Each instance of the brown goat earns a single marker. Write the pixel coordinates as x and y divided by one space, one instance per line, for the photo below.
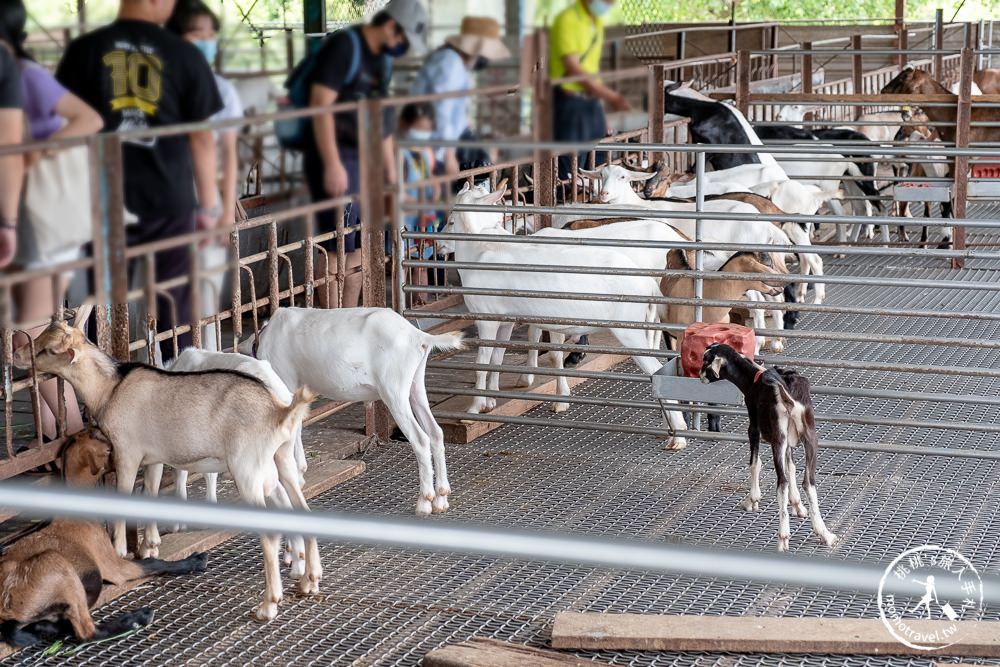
51 579
728 290
988 81
918 82
658 186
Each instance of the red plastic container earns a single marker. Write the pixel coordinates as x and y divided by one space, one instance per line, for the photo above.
985 170
698 336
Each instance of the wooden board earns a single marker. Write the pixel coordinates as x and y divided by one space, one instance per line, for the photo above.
483 652
460 432
840 636
323 474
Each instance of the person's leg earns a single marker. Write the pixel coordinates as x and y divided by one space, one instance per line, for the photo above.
172 263
598 129
569 125
352 240
33 302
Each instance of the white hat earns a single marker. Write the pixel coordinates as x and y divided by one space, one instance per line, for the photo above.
480 36
411 16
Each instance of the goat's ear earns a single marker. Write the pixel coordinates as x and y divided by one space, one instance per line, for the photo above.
494 197
465 188
594 174
634 175
502 185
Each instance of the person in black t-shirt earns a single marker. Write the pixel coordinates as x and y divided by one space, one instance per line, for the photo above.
11 166
352 65
137 76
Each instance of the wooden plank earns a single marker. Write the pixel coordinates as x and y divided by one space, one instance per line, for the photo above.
839 636
461 432
324 473
483 652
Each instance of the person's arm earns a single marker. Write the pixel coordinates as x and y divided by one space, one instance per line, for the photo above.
11 180
334 173
389 159
203 160
81 120
593 86
230 163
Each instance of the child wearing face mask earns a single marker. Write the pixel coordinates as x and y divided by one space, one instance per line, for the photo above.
416 123
196 23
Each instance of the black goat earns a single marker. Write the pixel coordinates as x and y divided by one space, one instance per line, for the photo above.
712 123
779 408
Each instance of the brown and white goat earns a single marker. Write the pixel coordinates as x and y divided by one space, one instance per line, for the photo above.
682 287
207 421
780 411
51 579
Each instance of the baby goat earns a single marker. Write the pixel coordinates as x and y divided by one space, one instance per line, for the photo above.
209 421
779 409
50 579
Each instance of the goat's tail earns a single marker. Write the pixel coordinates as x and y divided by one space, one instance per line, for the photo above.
445 342
291 415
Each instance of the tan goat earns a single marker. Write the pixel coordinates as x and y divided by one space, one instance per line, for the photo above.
716 289
51 579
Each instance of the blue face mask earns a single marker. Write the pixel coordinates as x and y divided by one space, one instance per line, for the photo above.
599 7
397 51
209 48
420 135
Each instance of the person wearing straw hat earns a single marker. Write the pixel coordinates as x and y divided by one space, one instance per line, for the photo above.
449 69
576 40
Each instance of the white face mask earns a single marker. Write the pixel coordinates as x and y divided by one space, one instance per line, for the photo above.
420 135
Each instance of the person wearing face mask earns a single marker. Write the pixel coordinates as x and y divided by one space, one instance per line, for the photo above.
354 64
194 21
576 40
416 123
448 69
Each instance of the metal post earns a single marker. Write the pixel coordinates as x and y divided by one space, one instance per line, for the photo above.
681 46
806 82
314 13
656 101
963 116
900 29
857 71
743 81
117 263
904 44
774 47
373 234
544 194
699 254
938 42
399 273
81 15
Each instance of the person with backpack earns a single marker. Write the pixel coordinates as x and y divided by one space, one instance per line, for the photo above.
449 69
354 64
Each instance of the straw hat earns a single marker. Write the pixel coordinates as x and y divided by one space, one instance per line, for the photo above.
479 36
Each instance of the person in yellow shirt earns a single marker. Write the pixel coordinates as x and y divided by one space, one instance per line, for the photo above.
576 40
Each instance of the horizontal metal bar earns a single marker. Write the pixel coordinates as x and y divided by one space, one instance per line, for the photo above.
466 538
877 447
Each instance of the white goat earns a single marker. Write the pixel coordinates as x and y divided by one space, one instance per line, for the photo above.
491 252
213 421
192 360
365 354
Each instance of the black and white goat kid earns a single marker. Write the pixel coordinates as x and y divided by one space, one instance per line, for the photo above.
780 410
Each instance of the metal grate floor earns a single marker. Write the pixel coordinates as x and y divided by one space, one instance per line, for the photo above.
389 606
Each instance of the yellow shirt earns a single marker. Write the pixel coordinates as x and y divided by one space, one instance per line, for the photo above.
575 31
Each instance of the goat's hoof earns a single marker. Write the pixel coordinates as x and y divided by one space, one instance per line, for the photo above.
526 380
424 507
676 443
750 505
777 346
443 489
440 505
829 539
298 569
149 551
287 558
267 611
308 586
560 407
800 511
783 541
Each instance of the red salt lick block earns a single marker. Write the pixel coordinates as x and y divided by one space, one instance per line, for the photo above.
698 336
